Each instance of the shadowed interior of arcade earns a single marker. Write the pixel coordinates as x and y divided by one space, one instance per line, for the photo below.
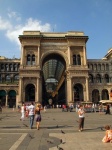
53 80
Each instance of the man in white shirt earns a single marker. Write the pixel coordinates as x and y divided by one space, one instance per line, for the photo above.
31 109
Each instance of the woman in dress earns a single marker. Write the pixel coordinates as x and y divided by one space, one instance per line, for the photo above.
38 115
22 112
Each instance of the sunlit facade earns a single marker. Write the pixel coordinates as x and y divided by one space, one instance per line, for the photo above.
54 68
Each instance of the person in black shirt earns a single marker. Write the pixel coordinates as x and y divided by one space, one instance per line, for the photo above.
108 110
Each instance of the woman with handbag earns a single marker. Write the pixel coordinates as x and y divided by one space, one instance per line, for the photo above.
38 115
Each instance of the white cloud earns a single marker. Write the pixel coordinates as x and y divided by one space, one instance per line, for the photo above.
4 24
13 33
15 15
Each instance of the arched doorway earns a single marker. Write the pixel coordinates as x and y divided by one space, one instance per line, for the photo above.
105 95
30 93
95 96
53 83
12 99
78 92
2 97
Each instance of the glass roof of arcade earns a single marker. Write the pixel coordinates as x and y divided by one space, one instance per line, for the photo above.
52 70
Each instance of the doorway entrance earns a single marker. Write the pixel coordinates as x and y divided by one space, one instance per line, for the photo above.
78 93
53 83
30 93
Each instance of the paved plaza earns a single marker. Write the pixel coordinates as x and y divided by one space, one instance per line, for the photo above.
16 135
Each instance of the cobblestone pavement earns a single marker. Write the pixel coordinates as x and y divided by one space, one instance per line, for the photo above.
16 135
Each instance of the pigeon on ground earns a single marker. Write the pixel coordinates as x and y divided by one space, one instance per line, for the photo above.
50 142
60 148
25 125
62 132
31 136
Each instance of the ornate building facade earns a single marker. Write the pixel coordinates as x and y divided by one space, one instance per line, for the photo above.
54 69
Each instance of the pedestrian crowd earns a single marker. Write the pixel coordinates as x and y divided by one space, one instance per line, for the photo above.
34 113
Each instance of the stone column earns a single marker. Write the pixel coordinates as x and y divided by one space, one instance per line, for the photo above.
87 90
69 58
17 101
22 47
40 90
72 95
6 101
85 57
69 90
37 91
100 95
20 90
38 62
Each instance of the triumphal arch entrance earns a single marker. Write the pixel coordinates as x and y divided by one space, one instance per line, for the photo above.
53 67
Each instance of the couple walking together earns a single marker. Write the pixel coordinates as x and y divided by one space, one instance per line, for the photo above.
34 113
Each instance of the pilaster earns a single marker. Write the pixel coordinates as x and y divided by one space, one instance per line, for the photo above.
6 101
37 91
69 90
38 62
20 89
87 90
69 58
85 58
22 47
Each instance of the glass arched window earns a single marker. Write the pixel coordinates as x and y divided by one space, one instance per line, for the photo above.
78 60
2 67
103 67
74 60
107 67
95 96
8 78
105 95
91 67
95 67
91 78
16 77
6 67
106 78
15 67
33 59
28 60
10 67
18 66
99 67
98 78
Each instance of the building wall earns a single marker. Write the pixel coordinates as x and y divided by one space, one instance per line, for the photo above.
100 77
93 77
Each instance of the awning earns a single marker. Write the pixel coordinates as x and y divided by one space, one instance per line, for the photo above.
105 101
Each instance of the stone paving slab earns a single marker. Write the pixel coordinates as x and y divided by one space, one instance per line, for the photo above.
53 121
81 141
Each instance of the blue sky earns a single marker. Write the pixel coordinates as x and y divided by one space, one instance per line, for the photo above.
93 17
